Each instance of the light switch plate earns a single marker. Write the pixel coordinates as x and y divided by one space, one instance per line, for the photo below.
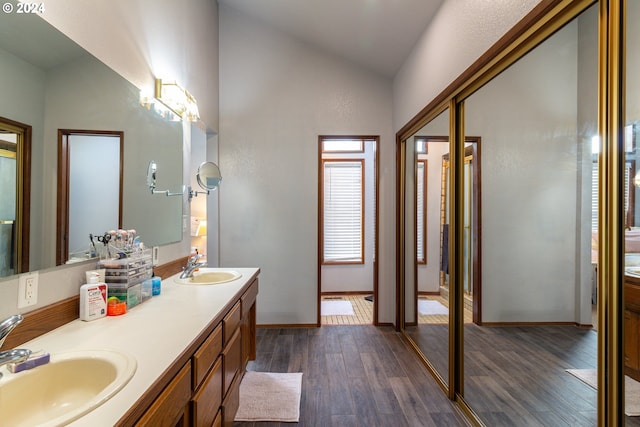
155 254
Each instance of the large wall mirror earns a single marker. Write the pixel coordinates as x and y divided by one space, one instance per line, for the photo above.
49 83
426 299
530 326
537 120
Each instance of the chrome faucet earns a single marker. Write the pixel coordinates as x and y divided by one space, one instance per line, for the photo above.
15 355
193 263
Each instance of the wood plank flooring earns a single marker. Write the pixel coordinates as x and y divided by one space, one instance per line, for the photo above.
515 375
358 375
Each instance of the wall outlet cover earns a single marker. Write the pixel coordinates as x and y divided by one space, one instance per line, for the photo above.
28 290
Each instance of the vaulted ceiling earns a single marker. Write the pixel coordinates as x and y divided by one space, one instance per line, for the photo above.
376 34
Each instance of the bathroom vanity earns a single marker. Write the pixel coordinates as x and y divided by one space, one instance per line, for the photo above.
191 344
632 326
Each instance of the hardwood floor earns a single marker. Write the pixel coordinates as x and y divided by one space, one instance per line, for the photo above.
515 376
354 376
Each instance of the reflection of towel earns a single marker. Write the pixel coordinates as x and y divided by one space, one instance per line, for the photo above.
444 259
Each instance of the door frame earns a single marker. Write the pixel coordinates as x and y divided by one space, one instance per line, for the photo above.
21 232
62 225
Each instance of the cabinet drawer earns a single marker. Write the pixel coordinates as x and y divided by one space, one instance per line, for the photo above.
231 359
249 298
631 297
230 322
169 407
204 357
231 403
207 401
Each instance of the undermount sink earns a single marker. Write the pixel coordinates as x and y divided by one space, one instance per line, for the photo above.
69 386
210 276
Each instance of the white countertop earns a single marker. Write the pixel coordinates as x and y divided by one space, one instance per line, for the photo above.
155 333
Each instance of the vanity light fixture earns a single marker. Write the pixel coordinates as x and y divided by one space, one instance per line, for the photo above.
636 179
177 99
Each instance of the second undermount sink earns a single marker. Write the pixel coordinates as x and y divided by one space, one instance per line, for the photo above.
210 276
69 386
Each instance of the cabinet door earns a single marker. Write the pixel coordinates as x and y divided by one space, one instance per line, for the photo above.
169 408
232 359
231 403
631 340
248 324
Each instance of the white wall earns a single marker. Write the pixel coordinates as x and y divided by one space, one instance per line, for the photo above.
277 95
527 118
461 31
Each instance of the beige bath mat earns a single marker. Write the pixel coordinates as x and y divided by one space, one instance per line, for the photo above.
270 396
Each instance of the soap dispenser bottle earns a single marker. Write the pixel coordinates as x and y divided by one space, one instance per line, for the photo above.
93 299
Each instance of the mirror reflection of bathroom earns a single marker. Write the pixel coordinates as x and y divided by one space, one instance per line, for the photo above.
90 195
12 224
204 178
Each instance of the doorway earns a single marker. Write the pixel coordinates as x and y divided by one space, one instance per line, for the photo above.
15 197
347 230
472 287
90 168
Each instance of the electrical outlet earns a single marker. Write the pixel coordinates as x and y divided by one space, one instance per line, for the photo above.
28 290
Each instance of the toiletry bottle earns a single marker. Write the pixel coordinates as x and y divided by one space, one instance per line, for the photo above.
156 283
93 299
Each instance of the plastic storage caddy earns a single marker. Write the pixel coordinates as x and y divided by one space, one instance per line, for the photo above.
125 276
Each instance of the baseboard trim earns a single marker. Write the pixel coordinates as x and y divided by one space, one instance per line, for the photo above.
311 325
347 293
491 324
286 325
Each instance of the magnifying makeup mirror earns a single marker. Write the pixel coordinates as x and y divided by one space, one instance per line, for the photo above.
208 177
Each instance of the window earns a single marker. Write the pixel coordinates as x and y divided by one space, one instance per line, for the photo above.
343 211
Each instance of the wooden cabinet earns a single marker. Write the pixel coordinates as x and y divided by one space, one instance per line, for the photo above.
169 409
206 390
632 327
248 324
205 406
